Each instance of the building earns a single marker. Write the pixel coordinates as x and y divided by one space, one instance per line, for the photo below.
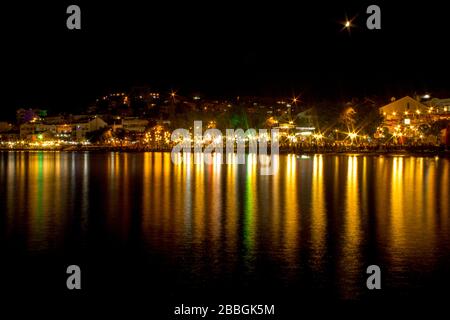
5 126
410 120
404 112
82 127
439 108
27 115
404 106
63 131
134 124
12 135
54 120
71 130
30 129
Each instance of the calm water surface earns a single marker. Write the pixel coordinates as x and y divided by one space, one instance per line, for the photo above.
143 221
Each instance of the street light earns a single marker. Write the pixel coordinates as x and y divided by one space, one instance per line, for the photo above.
347 24
318 136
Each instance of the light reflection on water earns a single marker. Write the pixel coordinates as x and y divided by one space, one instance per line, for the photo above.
319 222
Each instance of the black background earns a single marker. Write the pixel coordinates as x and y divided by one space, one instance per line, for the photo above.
221 49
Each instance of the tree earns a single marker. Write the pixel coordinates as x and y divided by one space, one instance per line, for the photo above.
98 136
347 118
436 128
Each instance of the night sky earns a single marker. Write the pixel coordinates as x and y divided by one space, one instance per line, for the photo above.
220 48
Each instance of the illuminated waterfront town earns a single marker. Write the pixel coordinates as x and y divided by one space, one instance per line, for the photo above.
197 160
143 119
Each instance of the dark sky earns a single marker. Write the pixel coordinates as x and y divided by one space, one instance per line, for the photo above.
220 48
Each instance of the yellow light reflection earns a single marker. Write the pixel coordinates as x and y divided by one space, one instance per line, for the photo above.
318 212
232 209
444 195
250 210
351 248
291 210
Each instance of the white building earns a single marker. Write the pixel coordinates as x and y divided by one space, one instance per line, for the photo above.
134 124
29 129
80 128
405 111
439 106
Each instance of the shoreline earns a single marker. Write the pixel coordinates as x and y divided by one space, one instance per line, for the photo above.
428 152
